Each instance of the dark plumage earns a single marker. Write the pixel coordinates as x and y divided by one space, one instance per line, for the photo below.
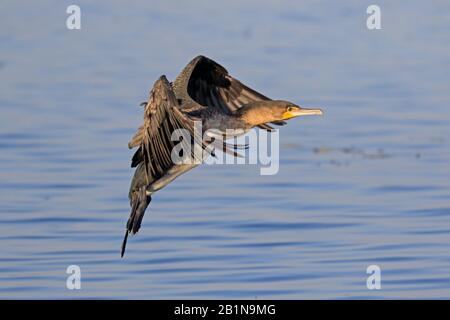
203 91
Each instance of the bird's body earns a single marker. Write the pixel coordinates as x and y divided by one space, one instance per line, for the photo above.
205 93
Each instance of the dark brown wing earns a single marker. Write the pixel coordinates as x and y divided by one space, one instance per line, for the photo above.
211 85
153 158
161 118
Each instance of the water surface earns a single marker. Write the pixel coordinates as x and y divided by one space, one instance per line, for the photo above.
366 184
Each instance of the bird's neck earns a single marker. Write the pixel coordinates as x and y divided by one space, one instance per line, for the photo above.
244 118
252 114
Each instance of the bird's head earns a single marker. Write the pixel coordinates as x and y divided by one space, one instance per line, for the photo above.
285 110
260 112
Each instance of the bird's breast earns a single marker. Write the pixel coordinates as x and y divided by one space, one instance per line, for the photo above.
224 126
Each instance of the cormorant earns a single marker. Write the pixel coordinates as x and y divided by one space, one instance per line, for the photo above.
203 91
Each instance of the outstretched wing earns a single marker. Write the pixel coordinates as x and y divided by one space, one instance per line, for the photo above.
211 85
161 118
153 158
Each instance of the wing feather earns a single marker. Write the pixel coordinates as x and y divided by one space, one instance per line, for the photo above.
161 118
211 85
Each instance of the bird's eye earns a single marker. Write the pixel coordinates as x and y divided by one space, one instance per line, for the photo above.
290 108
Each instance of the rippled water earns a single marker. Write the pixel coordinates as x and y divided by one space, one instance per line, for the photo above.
366 184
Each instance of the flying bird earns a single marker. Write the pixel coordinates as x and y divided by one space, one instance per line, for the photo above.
204 91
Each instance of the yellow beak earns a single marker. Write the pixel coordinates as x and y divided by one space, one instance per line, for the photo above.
301 112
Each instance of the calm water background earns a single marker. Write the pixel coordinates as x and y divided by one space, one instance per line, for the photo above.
369 183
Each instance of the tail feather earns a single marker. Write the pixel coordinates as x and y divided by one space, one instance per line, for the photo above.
124 244
139 202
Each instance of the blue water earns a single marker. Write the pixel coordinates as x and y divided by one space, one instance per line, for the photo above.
368 183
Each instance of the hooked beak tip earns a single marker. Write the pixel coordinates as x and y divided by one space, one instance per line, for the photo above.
319 112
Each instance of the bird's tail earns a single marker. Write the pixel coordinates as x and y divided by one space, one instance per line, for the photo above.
139 202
